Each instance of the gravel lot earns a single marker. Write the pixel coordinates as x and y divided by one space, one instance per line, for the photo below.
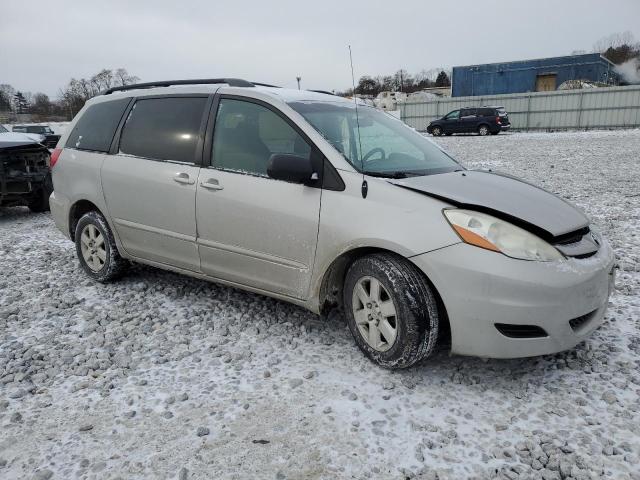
162 376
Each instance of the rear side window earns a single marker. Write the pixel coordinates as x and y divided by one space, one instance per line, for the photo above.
487 112
164 128
468 112
95 129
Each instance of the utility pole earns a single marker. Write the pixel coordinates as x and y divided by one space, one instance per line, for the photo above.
298 79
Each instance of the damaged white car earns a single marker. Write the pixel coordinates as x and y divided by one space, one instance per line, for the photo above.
312 199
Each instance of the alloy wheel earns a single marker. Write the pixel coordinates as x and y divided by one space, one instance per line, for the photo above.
374 313
94 251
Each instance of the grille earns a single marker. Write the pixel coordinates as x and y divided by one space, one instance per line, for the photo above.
572 237
578 244
520 331
578 322
585 255
22 170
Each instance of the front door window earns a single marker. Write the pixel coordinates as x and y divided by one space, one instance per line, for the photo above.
453 115
248 134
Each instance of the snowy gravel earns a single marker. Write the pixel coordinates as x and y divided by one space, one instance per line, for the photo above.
163 376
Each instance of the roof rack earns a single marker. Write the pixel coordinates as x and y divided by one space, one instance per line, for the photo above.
326 92
232 82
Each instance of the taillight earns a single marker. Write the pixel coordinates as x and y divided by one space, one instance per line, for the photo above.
497 119
54 157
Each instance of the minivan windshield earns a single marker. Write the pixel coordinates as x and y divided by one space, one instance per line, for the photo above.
385 147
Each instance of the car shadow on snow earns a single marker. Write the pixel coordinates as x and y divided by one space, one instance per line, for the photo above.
440 365
11 214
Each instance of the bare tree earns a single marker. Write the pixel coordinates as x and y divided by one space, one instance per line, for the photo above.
41 105
9 94
615 40
102 80
78 91
123 78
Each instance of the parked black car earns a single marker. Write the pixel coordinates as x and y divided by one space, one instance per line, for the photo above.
50 139
25 178
480 120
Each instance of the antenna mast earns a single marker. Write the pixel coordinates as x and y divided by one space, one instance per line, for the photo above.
365 185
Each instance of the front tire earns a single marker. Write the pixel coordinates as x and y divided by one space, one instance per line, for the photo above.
391 310
436 131
96 248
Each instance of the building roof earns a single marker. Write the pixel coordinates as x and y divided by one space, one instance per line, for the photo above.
560 58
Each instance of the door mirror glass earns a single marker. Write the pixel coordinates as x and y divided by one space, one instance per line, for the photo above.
290 168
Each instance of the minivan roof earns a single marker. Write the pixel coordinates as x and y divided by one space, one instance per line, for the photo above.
224 85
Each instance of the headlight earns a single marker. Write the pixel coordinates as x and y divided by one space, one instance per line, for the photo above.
489 232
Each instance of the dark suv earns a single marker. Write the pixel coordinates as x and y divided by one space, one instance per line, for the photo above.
481 120
50 138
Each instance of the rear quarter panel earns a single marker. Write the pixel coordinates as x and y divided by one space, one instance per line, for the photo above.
76 176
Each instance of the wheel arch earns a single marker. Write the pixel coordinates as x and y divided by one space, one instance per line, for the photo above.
77 210
332 284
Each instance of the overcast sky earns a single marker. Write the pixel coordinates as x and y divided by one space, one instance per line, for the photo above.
45 43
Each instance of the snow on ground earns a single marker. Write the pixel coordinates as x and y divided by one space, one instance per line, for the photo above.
163 376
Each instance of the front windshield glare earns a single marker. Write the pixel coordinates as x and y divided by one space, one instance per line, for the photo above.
386 146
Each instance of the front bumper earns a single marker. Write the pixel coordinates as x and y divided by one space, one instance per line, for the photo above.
481 288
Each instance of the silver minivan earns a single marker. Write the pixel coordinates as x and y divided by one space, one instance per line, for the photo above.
318 201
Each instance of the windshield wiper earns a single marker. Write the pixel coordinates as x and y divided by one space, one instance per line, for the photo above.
397 174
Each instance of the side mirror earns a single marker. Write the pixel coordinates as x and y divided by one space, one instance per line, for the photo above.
290 168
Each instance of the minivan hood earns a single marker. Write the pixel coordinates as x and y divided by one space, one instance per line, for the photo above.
504 196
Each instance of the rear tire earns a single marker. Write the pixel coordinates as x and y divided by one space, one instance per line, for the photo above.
96 248
436 131
391 310
483 130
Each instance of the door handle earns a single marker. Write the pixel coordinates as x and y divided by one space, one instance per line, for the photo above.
183 178
211 184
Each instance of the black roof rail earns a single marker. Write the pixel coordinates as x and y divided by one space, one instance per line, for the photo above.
324 91
232 82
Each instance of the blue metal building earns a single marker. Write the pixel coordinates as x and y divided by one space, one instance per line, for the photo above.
539 75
